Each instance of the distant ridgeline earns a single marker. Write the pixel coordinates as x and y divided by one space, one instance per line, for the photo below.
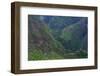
57 37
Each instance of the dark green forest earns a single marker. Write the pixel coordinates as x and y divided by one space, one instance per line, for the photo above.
57 37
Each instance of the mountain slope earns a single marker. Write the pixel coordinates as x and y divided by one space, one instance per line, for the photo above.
40 39
56 37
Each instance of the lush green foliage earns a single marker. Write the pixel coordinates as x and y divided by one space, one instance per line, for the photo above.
56 37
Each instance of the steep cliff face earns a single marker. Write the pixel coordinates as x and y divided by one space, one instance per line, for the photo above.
75 35
40 38
55 37
70 31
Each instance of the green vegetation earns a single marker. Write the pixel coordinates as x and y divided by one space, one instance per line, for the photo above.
39 55
56 38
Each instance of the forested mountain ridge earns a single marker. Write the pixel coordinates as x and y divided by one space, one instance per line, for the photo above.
56 37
